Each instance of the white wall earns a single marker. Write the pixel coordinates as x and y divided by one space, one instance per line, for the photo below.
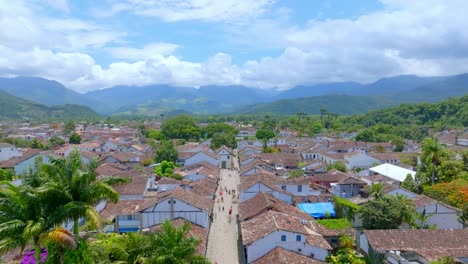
160 212
258 187
292 188
199 157
264 245
25 165
360 161
7 153
444 217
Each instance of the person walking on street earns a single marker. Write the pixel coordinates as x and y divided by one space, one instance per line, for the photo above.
223 208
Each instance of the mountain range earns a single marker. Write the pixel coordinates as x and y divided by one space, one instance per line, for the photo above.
15 108
339 97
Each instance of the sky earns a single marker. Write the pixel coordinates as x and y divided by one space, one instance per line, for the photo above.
89 45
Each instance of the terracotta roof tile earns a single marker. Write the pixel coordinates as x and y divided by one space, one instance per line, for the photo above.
186 196
262 202
282 256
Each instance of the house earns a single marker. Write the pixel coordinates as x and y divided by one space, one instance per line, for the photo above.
331 158
127 158
177 203
281 160
283 256
270 230
441 215
167 184
393 172
20 165
418 245
262 182
8 151
348 187
190 158
225 155
387 157
124 216
358 160
326 179
263 202
204 187
135 189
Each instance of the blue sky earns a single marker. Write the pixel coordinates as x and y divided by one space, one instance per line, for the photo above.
267 44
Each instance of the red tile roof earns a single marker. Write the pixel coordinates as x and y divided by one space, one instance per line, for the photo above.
282 256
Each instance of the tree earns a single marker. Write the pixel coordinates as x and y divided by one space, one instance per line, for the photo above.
410 184
220 139
444 260
387 212
181 127
463 216
339 165
264 136
27 214
345 255
376 190
215 128
166 151
172 245
430 156
420 221
6 175
74 139
84 192
166 169
56 141
68 127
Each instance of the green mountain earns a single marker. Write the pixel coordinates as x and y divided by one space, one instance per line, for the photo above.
339 104
12 107
46 92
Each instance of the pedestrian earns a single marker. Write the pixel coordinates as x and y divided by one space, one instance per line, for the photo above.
230 211
219 208
222 200
223 208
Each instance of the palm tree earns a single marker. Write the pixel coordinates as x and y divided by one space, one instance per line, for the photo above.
376 190
431 152
345 241
83 189
26 214
173 245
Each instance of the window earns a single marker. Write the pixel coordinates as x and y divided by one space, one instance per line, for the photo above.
283 187
299 188
298 238
283 238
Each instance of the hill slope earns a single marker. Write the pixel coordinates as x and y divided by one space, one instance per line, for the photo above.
301 91
12 107
46 92
339 104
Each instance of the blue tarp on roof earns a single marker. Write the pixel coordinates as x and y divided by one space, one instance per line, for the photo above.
318 210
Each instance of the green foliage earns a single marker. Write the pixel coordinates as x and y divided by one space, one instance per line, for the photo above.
387 212
410 184
68 127
339 165
166 151
337 224
166 169
220 139
14 108
155 134
147 161
215 128
345 255
265 135
74 139
463 215
444 260
345 208
168 245
181 127
295 174
56 141
23 143
6 175
59 254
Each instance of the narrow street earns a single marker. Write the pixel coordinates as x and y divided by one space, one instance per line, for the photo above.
222 241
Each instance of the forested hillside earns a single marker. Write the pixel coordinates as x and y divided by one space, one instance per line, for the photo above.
12 107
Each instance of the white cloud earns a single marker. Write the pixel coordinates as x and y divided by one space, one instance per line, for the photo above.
406 37
208 10
150 50
61 5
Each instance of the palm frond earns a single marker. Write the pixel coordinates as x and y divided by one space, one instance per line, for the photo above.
63 237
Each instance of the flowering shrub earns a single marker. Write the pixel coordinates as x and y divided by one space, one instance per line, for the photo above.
29 257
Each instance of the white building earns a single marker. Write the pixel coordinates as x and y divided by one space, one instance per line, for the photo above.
224 157
8 151
392 171
271 229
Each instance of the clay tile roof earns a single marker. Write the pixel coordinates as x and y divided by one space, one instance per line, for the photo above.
186 196
194 231
422 200
204 187
270 221
167 180
136 187
282 256
431 243
352 180
331 176
123 156
122 207
26 155
384 156
267 179
262 202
